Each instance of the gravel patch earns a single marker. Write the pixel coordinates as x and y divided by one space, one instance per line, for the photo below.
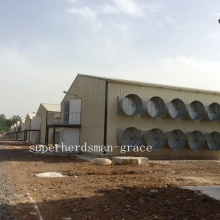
6 195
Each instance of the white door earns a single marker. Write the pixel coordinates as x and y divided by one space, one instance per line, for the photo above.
69 137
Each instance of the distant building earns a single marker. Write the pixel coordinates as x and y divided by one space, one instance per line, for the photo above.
21 130
50 115
2 134
32 128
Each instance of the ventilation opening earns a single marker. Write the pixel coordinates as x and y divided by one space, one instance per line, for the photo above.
196 140
196 110
177 109
130 105
155 138
130 136
213 112
155 107
213 141
176 140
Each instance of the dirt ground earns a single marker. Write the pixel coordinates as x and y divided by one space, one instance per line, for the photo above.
90 191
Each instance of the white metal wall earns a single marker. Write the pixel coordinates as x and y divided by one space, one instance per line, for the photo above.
116 121
69 136
75 111
92 93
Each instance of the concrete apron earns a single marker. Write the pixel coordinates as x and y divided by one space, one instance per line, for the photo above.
211 191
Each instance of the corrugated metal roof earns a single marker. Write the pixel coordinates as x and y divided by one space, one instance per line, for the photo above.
149 84
51 107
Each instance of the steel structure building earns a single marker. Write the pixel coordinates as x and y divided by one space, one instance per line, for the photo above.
176 122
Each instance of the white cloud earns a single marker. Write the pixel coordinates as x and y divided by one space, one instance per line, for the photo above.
71 1
161 25
122 26
154 7
216 14
25 85
169 19
87 13
11 56
130 7
109 9
187 72
214 36
181 71
12 63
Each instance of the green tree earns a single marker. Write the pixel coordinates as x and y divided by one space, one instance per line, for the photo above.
3 125
14 119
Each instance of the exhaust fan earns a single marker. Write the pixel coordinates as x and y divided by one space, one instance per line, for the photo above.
154 107
176 109
213 141
130 136
176 140
130 105
196 140
213 112
155 138
196 110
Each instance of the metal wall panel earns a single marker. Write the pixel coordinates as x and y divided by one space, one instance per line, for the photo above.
42 113
116 121
69 137
92 93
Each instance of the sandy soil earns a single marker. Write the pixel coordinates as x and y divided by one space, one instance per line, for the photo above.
91 191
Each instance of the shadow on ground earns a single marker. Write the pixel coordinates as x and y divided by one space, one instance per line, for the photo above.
130 203
22 154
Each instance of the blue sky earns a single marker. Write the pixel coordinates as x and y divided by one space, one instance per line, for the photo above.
45 43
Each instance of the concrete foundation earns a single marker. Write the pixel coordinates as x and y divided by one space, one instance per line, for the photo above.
130 160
